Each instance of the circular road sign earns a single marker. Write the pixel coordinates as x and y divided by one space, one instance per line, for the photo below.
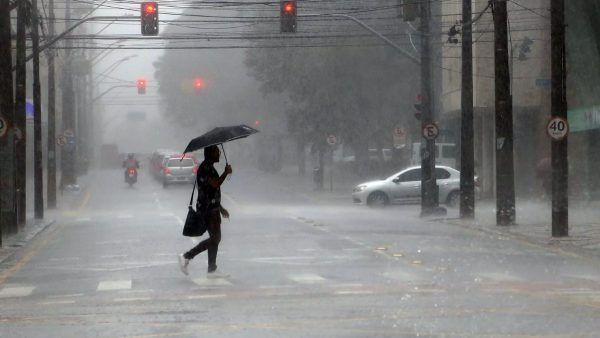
331 140
557 128
3 127
399 131
431 131
61 140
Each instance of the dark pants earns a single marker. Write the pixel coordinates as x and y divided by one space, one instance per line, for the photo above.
211 244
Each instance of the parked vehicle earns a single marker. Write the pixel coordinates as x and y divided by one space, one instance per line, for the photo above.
156 162
405 187
178 170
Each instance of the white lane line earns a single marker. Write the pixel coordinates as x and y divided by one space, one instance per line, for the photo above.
129 292
83 219
66 296
114 285
306 278
114 256
57 302
16 291
211 281
179 220
195 240
166 214
125 216
62 259
132 299
354 292
219 295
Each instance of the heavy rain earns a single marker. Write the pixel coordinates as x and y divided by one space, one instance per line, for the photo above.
299 168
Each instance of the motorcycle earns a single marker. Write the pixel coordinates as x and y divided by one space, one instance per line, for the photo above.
131 176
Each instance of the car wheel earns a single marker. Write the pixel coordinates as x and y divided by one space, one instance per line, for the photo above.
378 199
453 199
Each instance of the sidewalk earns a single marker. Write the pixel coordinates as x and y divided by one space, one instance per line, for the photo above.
67 200
534 217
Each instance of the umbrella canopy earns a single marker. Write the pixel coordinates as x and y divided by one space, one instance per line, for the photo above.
219 135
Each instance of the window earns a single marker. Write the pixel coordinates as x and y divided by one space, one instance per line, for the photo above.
441 174
175 162
410 176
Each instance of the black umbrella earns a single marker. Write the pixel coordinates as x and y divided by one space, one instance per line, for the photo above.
219 135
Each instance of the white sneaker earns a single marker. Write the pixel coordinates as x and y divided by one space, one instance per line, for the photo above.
183 264
217 274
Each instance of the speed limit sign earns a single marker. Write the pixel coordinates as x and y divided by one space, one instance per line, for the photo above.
3 127
431 131
557 128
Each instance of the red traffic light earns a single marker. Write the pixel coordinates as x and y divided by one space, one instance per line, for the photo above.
150 8
198 84
289 7
141 86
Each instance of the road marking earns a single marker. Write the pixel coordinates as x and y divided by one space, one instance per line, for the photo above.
57 302
16 291
83 219
114 285
354 292
65 296
125 216
166 214
114 256
119 241
23 261
218 295
306 278
85 201
211 281
132 299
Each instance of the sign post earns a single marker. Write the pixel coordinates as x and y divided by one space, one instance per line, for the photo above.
332 141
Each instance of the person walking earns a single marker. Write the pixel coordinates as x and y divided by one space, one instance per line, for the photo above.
209 199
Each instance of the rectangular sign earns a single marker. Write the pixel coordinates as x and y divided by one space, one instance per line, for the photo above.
584 118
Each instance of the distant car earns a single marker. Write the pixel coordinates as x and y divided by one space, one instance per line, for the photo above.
405 187
178 170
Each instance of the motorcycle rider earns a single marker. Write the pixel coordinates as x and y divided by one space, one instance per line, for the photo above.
129 163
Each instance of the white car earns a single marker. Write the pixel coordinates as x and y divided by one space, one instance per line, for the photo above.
405 187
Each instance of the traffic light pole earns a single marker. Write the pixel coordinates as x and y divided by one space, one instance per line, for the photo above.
429 188
51 166
20 112
505 182
560 160
467 172
37 117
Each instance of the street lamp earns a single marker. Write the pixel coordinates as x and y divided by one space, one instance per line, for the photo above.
114 66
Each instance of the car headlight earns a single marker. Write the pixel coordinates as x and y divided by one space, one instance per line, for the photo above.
360 188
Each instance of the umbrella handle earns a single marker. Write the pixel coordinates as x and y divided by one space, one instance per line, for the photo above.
226 161
225 155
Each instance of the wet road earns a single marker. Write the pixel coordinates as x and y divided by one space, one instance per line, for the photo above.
299 268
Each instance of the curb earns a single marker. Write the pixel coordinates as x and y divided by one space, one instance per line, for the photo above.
13 243
556 245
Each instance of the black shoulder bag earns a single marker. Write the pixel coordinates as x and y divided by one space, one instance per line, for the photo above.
195 222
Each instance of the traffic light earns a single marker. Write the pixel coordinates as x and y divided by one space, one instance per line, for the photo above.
149 15
141 86
288 16
410 9
419 107
198 84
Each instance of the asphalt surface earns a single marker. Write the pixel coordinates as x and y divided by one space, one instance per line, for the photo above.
299 267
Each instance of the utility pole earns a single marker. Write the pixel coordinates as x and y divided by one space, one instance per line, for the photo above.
37 117
505 176
68 175
560 160
467 171
51 142
8 220
20 112
429 188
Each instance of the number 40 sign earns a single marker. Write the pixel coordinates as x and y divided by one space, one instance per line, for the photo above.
557 128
